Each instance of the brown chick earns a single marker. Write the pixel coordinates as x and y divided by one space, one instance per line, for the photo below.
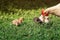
17 21
20 20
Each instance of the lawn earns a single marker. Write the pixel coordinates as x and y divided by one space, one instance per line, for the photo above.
28 30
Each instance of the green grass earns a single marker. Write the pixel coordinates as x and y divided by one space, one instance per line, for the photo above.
28 30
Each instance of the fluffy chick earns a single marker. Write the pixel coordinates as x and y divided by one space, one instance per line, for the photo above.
17 21
20 20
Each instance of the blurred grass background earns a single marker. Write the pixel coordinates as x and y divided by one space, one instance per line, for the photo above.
28 30
11 5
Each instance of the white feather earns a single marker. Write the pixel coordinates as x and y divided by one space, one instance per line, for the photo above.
54 10
45 20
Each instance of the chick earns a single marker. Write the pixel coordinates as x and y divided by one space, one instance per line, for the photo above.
20 20
17 21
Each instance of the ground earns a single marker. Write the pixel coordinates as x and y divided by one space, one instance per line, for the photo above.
28 30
